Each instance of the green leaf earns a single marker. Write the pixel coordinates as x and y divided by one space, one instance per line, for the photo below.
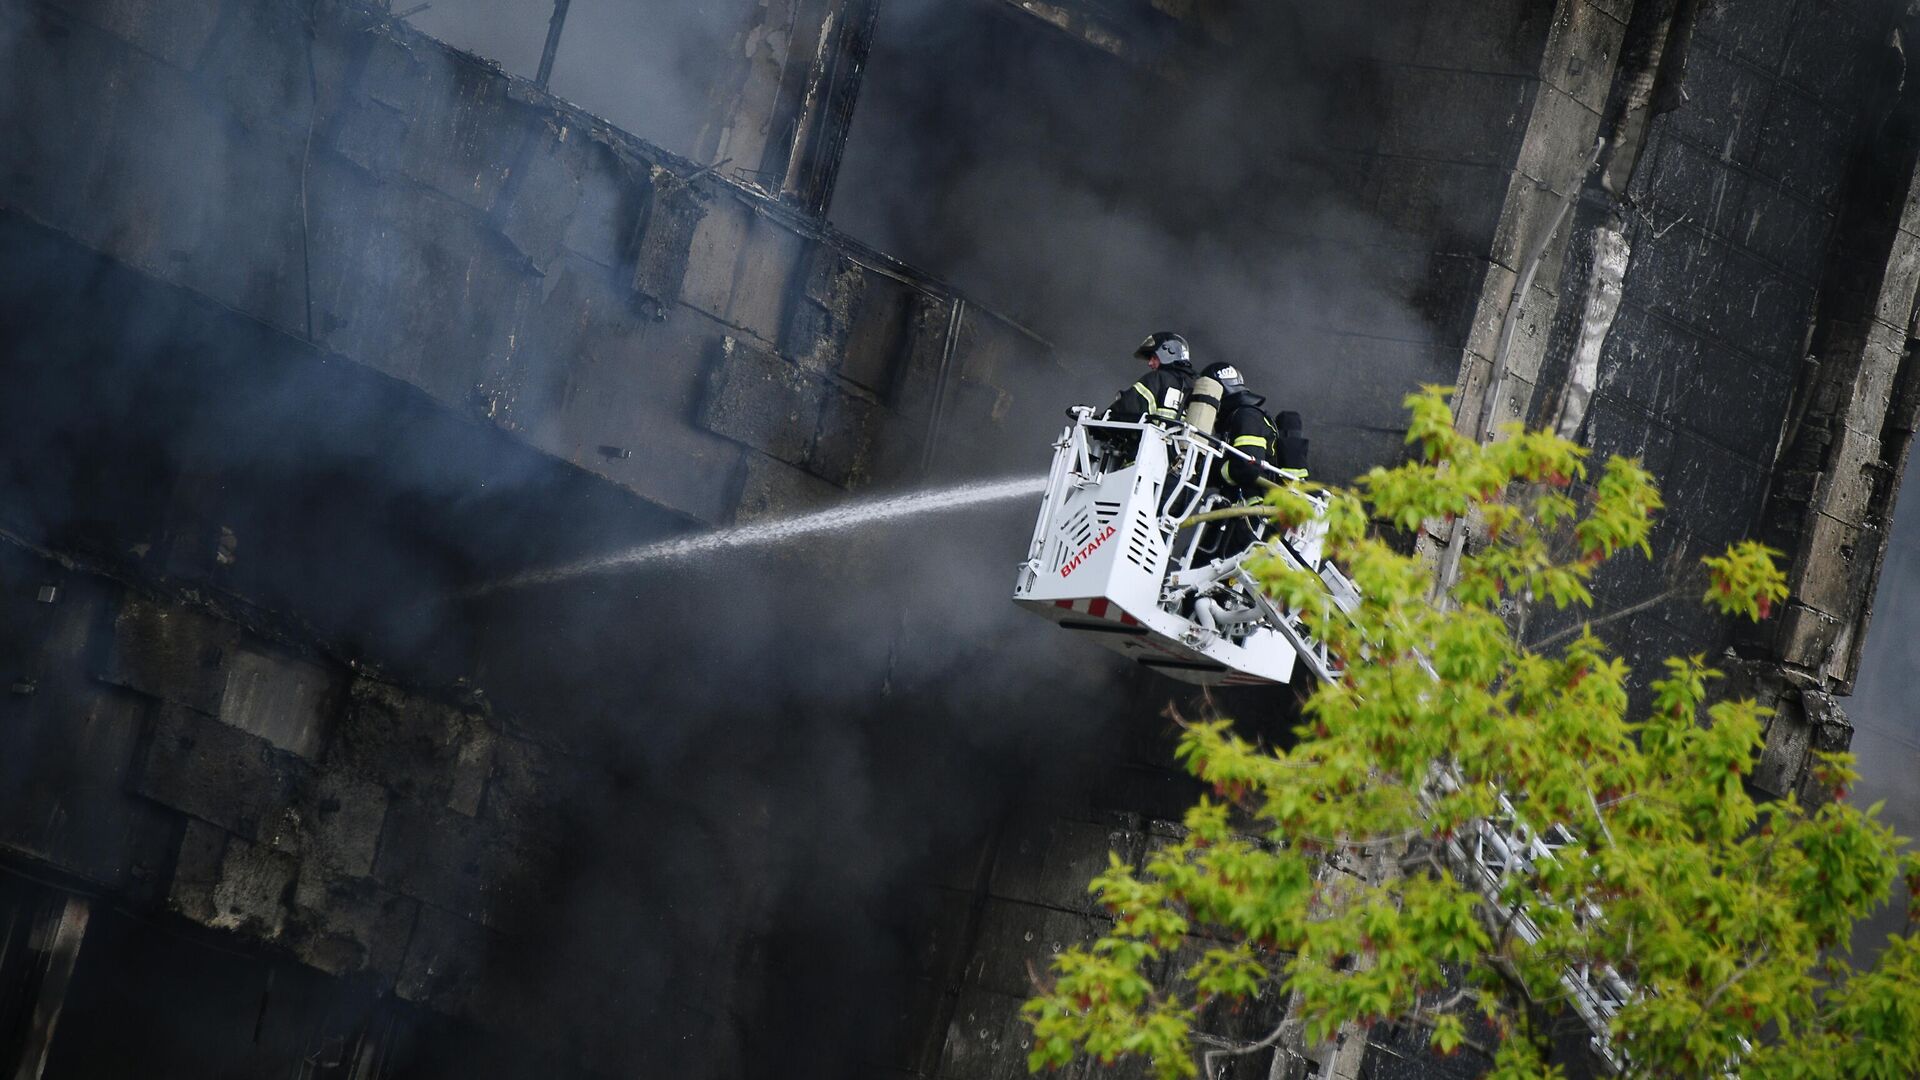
1726 914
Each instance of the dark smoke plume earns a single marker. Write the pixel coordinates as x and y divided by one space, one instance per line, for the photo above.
1099 199
774 758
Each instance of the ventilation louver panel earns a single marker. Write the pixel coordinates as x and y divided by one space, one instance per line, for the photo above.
1076 534
1143 546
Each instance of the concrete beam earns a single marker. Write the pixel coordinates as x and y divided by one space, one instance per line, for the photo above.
783 126
57 935
1842 457
1074 20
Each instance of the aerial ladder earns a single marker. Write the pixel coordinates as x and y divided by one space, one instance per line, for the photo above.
1116 558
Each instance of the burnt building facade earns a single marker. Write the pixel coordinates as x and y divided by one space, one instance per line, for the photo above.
316 324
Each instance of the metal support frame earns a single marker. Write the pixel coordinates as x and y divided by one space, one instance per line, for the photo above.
552 48
937 413
1503 848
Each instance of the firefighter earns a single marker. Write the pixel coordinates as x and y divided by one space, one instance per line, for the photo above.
1243 425
1162 392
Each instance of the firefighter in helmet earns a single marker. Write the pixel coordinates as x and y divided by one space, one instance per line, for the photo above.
1162 392
1244 426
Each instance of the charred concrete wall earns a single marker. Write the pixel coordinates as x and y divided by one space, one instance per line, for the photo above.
231 228
409 208
490 331
176 760
1756 367
1756 363
1465 124
1349 234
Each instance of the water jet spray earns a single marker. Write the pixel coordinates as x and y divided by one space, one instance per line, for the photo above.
840 518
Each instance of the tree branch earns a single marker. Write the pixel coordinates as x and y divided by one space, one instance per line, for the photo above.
1611 616
1727 984
1419 1015
1272 1038
1597 816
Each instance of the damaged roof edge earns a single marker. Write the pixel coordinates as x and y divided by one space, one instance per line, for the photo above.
707 180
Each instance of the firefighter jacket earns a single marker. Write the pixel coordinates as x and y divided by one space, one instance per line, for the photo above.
1243 425
1161 393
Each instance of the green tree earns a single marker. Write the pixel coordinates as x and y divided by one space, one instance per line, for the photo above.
1727 916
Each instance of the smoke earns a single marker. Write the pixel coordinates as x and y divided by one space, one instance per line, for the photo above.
647 66
820 731
773 753
1886 736
776 753
509 32
882 705
1098 199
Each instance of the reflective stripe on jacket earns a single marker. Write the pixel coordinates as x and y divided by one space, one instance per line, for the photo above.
1160 393
1244 425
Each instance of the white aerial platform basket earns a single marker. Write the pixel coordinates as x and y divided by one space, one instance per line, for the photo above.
1109 559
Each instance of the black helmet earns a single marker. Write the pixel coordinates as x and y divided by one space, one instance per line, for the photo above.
1170 347
1227 376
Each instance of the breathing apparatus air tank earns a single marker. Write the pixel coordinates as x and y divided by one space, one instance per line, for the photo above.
1203 404
1290 443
